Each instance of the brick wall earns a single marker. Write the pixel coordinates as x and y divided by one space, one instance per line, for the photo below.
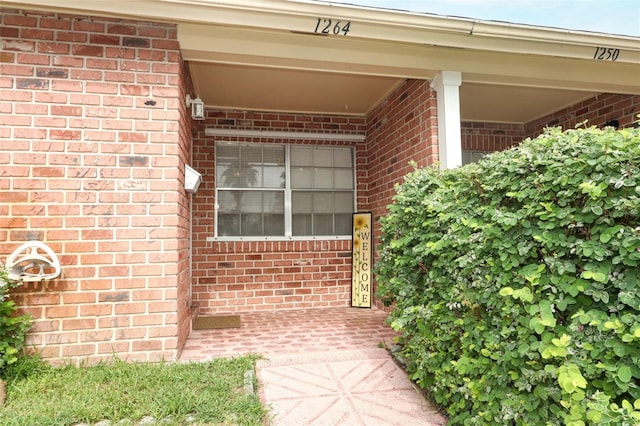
490 136
401 129
246 276
93 138
267 275
183 213
597 111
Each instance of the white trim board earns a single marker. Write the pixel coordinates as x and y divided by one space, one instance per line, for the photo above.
285 135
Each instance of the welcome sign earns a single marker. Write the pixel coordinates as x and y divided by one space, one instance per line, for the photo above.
361 258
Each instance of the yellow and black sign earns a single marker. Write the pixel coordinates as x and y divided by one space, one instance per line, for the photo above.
361 258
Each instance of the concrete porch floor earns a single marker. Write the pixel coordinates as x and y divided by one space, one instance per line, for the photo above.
322 367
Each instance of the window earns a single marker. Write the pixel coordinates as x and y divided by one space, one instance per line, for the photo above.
472 156
268 190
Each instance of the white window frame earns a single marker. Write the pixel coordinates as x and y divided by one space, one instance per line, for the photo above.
288 214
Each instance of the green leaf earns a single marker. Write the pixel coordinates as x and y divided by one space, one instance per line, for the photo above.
624 373
536 325
563 341
614 324
523 294
554 352
570 378
546 314
594 275
505 291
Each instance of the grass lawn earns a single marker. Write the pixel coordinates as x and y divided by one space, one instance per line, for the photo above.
206 393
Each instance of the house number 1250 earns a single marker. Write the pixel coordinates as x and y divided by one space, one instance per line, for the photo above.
327 26
606 54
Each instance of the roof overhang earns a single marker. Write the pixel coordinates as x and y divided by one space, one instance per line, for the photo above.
269 54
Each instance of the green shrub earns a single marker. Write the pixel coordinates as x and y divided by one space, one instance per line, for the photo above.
515 281
13 328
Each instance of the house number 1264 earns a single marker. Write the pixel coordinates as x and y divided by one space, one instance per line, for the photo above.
328 26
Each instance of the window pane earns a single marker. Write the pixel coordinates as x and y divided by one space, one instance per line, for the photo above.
301 177
274 224
250 213
301 202
250 201
301 156
273 177
343 224
227 157
342 157
251 225
273 154
323 202
247 172
343 202
237 175
323 157
229 201
343 179
227 152
251 154
323 224
301 224
273 202
228 225
323 178
273 169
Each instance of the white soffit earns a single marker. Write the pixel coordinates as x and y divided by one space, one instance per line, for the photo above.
513 104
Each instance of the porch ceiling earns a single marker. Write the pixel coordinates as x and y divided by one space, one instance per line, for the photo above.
273 89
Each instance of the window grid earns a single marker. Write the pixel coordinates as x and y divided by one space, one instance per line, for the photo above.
312 223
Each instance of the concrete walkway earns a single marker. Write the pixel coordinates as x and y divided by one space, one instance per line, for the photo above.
322 367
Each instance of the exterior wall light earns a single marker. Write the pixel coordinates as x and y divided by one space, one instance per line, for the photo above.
197 107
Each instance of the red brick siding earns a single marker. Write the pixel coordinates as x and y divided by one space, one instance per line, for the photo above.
597 111
490 136
401 129
183 290
282 122
251 276
92 143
